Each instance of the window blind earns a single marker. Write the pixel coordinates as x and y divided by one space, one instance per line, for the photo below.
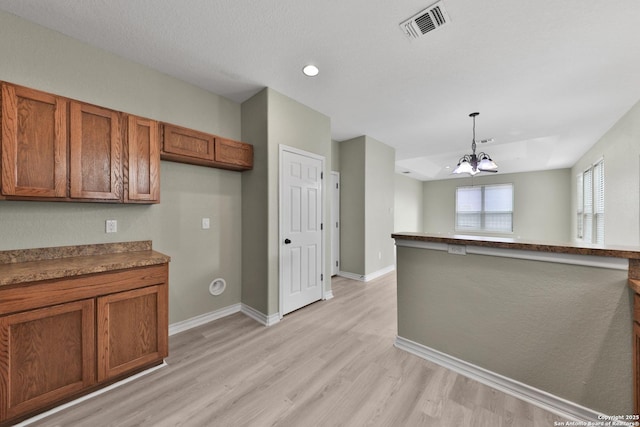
598 201
485 208
590 204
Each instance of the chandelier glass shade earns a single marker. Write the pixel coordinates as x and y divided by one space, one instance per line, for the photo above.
475 163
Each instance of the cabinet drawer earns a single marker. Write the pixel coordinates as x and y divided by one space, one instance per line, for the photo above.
187 142
56 291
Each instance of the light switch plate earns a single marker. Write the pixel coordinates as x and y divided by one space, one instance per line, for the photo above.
205 223
111 226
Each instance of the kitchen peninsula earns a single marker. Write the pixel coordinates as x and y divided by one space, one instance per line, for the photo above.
552 323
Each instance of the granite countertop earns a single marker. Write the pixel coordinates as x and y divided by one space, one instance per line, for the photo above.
29 265
512 243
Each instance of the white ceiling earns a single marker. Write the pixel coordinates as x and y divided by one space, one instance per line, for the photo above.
548 77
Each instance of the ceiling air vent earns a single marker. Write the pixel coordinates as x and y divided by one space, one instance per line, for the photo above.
433 17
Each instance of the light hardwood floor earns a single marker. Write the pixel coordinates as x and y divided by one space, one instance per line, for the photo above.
332 363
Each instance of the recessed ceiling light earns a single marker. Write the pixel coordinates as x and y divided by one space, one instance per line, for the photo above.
310 70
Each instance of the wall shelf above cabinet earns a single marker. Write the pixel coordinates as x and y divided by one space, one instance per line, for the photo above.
184 145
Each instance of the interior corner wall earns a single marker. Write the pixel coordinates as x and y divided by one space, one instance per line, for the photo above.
271 119
408 205
255 204
541 205
620 149
335 156
379 200
46 60
366 206
352 205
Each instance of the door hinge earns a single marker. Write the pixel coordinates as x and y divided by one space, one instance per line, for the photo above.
321 277
321 226
337 226
337 185
336 263
321 175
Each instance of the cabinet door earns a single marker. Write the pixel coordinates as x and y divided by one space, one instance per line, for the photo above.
96 150
234 153
144 160
132 330
187 142
45 355
34 143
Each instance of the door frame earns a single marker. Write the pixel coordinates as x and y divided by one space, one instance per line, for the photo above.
281 150
335 234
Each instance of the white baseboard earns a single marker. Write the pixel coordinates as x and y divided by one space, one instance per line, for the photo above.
202 319
88 396
328 294
379 273
367 277
537 397
352 276
193 322
259 316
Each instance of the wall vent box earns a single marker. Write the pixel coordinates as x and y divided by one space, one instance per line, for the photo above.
457 249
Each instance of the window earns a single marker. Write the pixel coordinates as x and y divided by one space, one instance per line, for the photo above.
590 204
486 208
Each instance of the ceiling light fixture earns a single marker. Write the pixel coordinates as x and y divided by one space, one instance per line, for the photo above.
310 70
472 163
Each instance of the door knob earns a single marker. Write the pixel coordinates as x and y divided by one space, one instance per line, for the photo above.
287 241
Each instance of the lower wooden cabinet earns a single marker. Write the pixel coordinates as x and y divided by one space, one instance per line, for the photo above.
99 328
45 355
636 367
132 330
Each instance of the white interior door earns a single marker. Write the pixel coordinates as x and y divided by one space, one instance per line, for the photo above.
335 223
300 229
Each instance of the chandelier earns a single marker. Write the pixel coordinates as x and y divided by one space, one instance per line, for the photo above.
472 163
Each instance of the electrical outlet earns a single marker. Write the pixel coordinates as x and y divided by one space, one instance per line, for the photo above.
111 226
457 249
206 223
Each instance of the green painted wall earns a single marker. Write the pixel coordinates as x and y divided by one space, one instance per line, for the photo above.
46 60
564 329
408 204
352 205
541 211
620 149
270 119
367 181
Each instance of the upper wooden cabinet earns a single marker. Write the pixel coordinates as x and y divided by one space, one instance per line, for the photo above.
234 153
34 143
96 153
142 174
187 142
53 148
189 146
